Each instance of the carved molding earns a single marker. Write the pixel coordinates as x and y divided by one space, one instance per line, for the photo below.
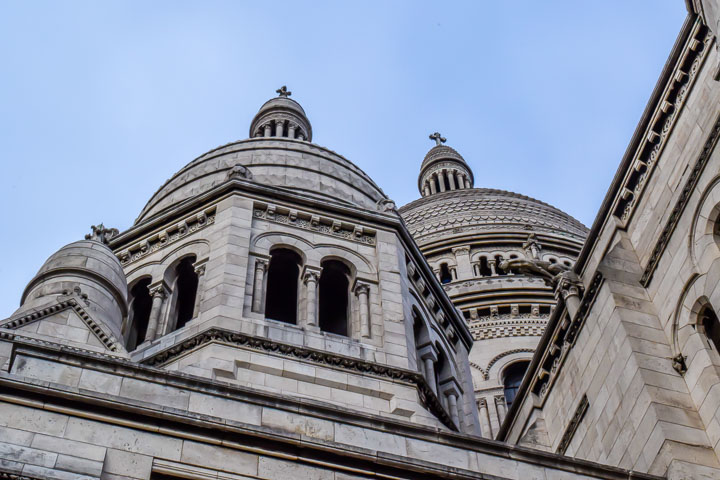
427 397
573 425
681 203
511 328
315 223
665 117
486 371
566 332
159 240
108 341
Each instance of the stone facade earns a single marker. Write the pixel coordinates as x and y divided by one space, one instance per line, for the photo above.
626 374
271 313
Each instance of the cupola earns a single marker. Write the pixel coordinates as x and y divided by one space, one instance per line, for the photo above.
443 169
281 117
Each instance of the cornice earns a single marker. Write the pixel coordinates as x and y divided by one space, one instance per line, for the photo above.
353 365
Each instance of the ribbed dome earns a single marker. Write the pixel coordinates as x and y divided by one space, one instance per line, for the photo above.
481 209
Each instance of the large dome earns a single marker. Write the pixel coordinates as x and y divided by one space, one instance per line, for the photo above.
478 210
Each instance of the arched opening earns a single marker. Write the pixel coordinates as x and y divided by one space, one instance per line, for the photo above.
140 305
185 291
484 267
440 369
282 286
334 297
710 327
512 378
446 181
418 334
445 275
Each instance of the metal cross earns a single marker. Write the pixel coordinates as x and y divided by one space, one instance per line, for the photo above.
283 91
439 139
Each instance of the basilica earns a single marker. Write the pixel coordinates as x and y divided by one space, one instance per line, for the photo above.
272 314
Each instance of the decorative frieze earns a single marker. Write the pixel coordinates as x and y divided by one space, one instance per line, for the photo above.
681 203
315 223
159 240
508 326
664 119
573 425
427 396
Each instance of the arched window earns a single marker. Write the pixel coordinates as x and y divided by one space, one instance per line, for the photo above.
282 286
140 304
445 275
710 326
512 378
334 297
185 291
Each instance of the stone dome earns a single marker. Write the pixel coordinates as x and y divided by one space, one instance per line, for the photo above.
89 265
478 210
280 157
441 152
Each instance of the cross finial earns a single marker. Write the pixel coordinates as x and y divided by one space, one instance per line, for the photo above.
283 92
439 139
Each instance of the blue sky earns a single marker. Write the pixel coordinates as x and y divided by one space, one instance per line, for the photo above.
102 101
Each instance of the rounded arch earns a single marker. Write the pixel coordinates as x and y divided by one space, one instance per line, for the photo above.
359 265
501 361
703 239
264 242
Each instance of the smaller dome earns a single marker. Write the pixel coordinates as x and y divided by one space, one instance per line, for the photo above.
91 266
442 169
281 117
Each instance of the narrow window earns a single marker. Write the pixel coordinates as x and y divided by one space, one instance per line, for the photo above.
282 286
334 292
498 261
186 291
140 304
512 379
484 267
710 327
445 275
440 370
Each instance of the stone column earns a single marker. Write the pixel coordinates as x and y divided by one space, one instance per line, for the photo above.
459 180
501 408
451 179
467 181
485 427
291 130
433 187
451 390
158 294
428 355
310 279
362 290
200 272
426 189
493 271
279 127
568 287
268 129
452 406
441 179
261 266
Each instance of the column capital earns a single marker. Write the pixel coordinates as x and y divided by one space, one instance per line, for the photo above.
159 289
450 386
360 287
463 250
311 274
199 267
262 263
568 285
428 351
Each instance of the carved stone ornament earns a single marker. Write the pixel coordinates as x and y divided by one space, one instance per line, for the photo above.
549 272
239 171
678 363
386 205
532 247
102 234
